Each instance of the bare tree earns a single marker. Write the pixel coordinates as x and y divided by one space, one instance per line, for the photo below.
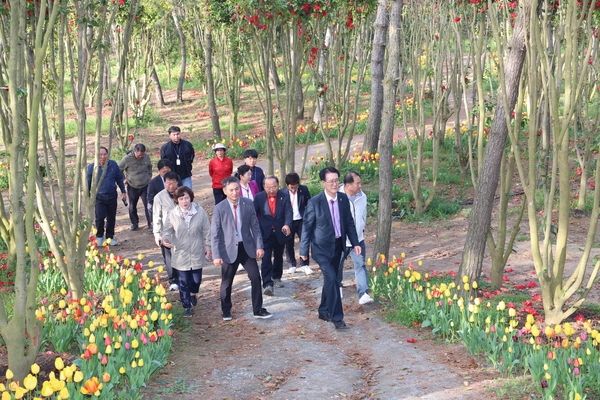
183 50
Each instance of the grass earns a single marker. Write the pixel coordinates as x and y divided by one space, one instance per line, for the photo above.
517 388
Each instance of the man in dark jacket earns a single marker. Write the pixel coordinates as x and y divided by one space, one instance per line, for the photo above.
181 154
106 197
299 196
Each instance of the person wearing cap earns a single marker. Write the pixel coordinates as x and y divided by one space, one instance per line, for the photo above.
219 168
181 154
258 175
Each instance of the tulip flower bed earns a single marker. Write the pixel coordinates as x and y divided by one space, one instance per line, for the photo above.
120 334
563 359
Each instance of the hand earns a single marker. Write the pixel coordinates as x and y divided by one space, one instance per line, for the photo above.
218 262
158 241
167 244
125 182
208 254
286 230
357 250
124 196
304 257
259 253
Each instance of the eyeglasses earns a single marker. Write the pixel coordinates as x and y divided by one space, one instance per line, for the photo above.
333 181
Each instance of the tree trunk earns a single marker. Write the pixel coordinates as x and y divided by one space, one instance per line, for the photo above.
480 218
210 86
377 56
299 101
160 100
183 47
390 84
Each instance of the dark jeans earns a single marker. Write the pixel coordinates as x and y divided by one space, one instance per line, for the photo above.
189 282
228 273
331 301
106 208
218 195
134 195
272 263
172 273
290 253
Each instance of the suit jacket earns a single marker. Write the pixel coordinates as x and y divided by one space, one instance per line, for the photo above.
283 215
303 197
317 227
224 236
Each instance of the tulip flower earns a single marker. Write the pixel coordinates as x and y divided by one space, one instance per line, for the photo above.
91 386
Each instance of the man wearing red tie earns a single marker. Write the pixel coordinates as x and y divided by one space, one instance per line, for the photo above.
327 223
236 239
274 212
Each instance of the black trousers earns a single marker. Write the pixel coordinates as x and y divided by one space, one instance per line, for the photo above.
218 195
290 252
106 208
272 263
171 272
134 195
228 273
331 301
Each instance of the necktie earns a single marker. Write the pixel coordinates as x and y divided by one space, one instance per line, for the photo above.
235 216
335 220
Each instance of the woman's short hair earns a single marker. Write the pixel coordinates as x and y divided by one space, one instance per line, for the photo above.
181 190
242 170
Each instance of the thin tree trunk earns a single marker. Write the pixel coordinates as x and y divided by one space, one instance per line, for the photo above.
480 219
377 57
390 84
210 86
183 46
160 100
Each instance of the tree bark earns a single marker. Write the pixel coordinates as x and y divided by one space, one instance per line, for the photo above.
390 84
160 100
377 56
480 218
210 86
183 47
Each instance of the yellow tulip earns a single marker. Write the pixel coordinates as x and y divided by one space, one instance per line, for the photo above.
64 393
46 390
465 279
140 256
9 374
501 306
535 331
35 369
30 382
78 376
122 370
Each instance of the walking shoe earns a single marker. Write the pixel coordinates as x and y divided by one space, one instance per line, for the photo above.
263 313
134 227
194 300
149 228
188 313
278 283
227 316
174 287
306 269
268 291
292 270
365 298
325 317
100 240
340 325
112 242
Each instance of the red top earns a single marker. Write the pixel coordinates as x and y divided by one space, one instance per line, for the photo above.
219 170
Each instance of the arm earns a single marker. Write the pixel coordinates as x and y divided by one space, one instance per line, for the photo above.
257 235
168 233
149 166
119 180
157 222
216 233
308 223
207 236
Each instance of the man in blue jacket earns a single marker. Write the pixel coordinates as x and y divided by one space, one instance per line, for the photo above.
109 177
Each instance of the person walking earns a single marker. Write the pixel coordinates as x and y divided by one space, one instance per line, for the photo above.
358 206
187 234
248 187
109 177
236 239
137 170
163 203
157 184
299 196
326 226
274 212
219 168
181 154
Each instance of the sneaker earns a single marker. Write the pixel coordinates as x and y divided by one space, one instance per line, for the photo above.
134 227
100 240
292 270
365 298
268 291
306 269
188 313
194 300
149 228
263 313
278 283
174 287
341 293
227 316
112 242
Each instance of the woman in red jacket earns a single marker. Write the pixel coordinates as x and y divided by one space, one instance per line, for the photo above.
219 168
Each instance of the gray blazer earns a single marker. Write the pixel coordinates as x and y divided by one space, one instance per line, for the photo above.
224 238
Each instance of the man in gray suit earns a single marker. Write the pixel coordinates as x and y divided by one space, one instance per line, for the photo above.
236 239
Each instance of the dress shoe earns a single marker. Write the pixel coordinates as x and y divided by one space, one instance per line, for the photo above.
340 325
263 313
278 283
268 291
134 227
365 298
325 317
194 300
187 313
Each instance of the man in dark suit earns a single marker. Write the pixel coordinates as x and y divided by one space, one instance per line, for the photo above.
236 239
327 223
299 196
274 212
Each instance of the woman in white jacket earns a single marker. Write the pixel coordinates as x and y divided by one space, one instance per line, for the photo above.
187 233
